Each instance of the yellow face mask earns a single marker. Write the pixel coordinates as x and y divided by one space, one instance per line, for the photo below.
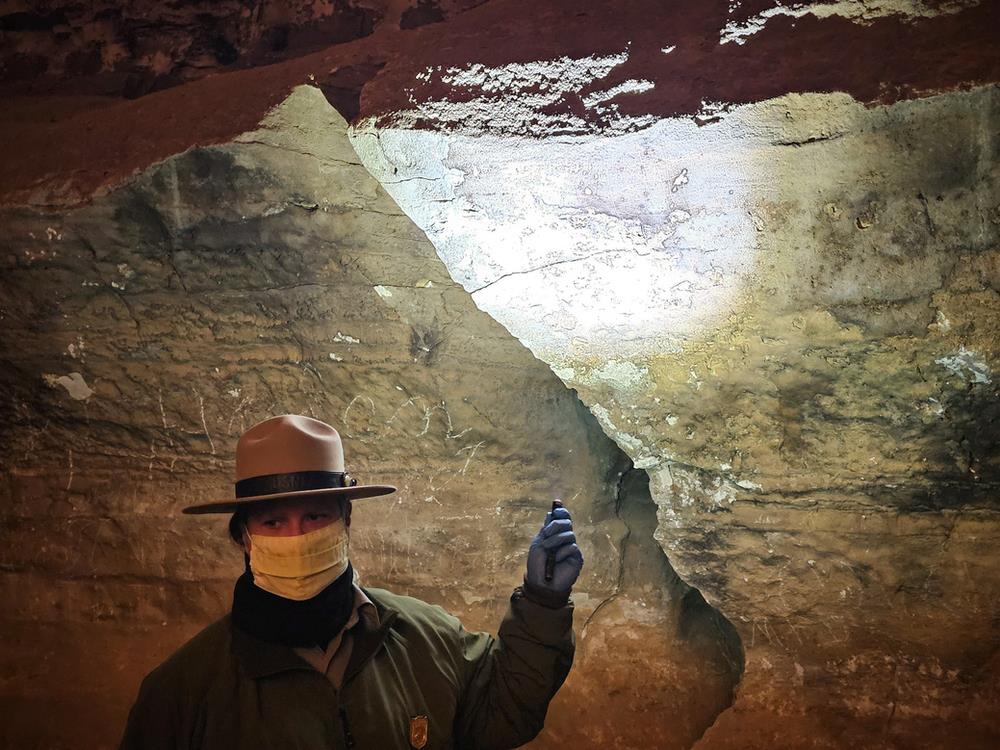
299 567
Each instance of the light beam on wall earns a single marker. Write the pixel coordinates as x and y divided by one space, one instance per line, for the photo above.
585 246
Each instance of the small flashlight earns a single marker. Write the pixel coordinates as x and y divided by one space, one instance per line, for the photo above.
550 557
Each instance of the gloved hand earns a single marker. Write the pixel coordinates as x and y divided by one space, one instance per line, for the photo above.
556 536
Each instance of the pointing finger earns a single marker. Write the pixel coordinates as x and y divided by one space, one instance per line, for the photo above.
558 540
556 527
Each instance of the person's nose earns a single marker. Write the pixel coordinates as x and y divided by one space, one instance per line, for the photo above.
300 527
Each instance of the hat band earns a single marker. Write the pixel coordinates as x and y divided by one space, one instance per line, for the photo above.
298 481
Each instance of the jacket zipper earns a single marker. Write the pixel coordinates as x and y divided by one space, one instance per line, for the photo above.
348 737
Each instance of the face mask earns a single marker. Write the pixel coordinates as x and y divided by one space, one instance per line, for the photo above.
299 567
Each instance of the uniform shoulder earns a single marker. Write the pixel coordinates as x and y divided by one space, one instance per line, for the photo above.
413 609
196 660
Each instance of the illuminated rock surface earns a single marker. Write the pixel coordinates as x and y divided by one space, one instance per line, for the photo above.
779 303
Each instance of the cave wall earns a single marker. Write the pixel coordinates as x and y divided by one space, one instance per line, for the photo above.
146 330
723 275
797 341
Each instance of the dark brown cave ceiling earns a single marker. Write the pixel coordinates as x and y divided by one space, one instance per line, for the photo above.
885 60
879 59
131 49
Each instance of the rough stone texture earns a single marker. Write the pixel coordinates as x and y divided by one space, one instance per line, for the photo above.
877 52
134 48
760 241
144 332
790 318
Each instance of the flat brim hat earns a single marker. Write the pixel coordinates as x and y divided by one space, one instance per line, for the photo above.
290 456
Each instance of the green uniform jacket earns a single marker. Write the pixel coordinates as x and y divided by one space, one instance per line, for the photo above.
227 690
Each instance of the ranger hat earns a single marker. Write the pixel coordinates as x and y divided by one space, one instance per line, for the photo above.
290 456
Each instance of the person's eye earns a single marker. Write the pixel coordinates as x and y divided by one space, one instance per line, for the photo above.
271 523
317 516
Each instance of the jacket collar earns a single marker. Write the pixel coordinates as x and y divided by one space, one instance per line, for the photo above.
261 658
370 640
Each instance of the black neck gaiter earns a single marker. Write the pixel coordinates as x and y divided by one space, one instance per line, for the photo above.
312 622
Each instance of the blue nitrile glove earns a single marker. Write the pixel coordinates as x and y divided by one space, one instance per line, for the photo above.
556 535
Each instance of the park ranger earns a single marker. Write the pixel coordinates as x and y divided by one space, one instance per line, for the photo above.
307 658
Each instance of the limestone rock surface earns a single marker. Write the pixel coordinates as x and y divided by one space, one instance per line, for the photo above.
790 319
